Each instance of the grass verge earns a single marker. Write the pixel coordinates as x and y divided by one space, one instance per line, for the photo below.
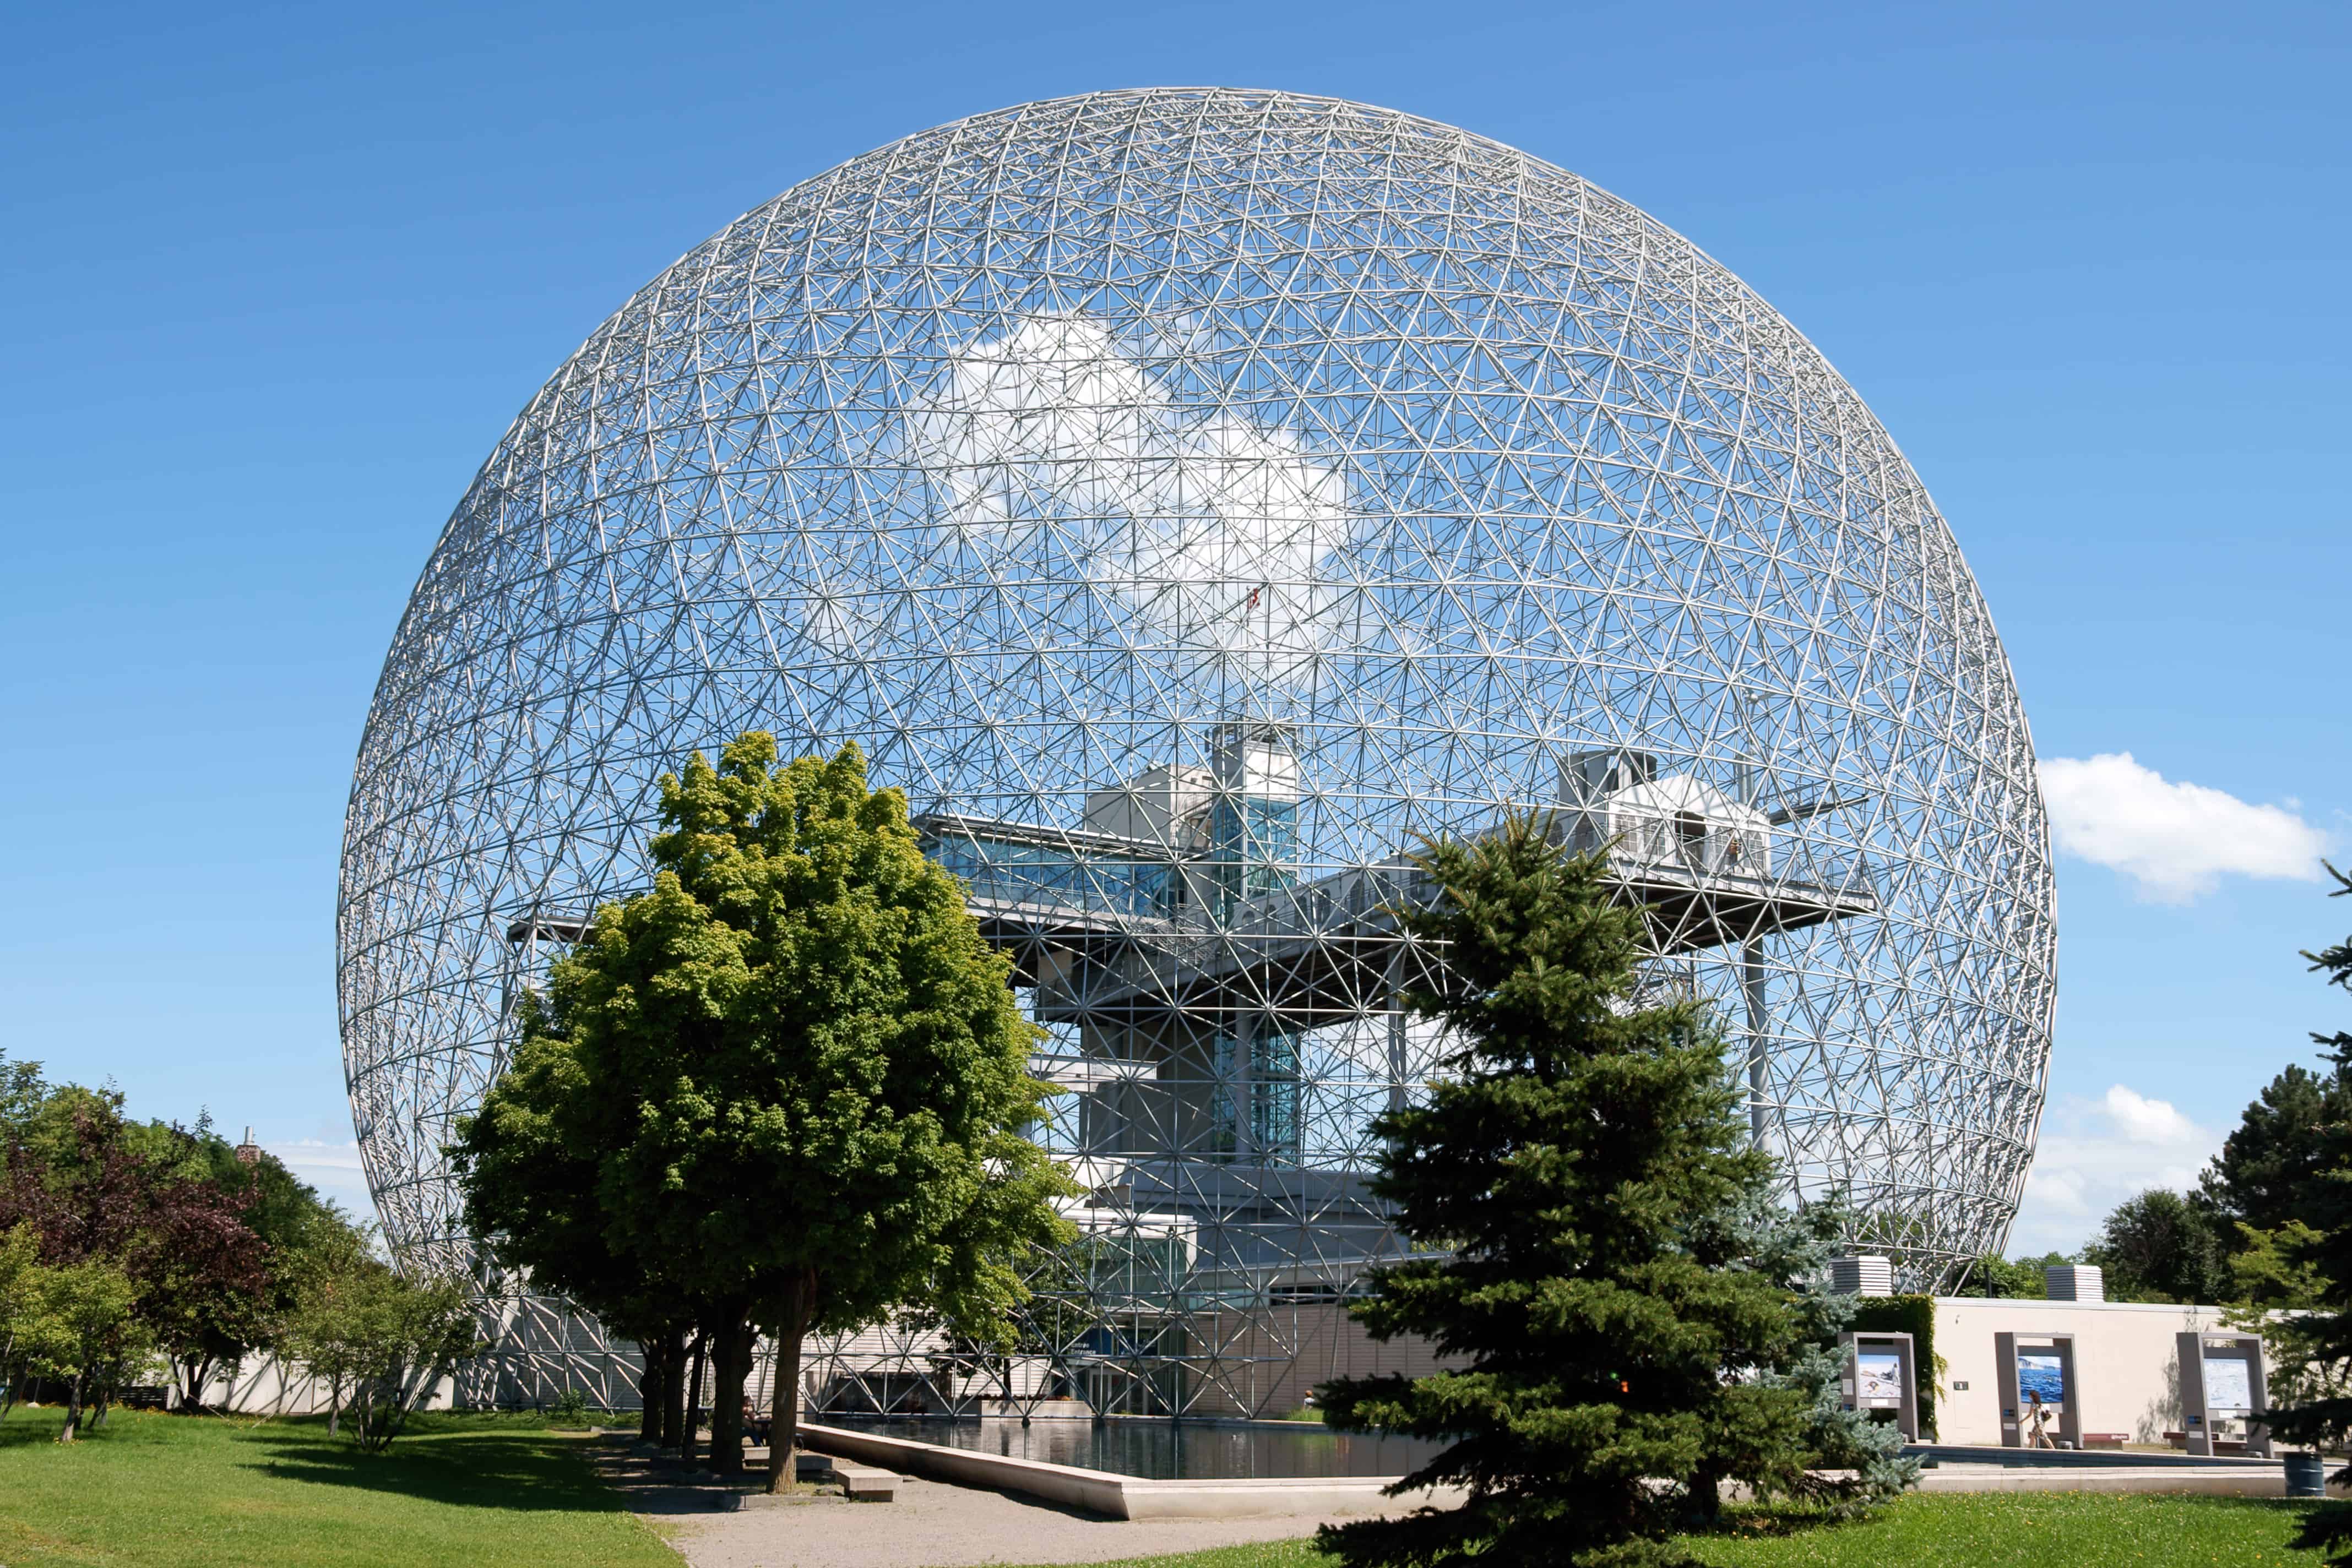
2028 1530
2014 1530
171 1491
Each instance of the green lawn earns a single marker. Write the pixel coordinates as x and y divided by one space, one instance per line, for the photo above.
170 1490
2028 1530
2044 1530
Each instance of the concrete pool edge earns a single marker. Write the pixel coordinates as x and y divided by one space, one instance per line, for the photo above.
1143 1498
1119 1496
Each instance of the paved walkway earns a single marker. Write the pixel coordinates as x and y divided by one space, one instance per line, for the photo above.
931 1525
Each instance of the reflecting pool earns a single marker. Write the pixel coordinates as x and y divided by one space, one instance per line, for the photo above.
1165 1450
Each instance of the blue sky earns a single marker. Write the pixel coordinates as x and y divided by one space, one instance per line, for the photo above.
277 280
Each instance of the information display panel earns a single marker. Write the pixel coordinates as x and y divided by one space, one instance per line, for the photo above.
2040 1403
1882 1374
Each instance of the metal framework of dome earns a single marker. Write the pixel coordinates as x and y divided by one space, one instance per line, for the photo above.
1190 498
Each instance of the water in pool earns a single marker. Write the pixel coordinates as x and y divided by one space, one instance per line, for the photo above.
1166 1451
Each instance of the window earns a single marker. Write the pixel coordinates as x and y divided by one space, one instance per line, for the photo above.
1690 832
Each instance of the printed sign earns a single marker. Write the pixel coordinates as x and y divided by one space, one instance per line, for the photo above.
2228 1389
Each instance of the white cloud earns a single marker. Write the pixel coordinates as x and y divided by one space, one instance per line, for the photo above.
2175 840
2094 1154
1053 443
2146 1121
332 1168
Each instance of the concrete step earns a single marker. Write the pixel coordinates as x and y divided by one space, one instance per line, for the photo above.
860 1483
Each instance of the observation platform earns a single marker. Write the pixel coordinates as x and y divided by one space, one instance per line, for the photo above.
1319 953
1111 930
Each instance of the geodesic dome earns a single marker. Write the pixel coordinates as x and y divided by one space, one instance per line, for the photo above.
1190 498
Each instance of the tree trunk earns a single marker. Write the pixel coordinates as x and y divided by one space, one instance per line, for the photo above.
194 1370
730 1364
334 1405
73 1408
650 1391
674 1389
693 1430
795 1309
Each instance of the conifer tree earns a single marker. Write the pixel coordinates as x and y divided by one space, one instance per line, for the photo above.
1607 1276
2265 1175
2325 1257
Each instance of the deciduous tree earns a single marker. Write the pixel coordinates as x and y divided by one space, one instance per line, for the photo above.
383 1342
20 1309
203 1280
216 1247
2161 1247
797 1072
2019 1278
84 1330
530 1180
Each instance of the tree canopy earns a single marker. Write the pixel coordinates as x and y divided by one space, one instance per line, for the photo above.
2161 1247
1997 1277
2266 1171
212 1249
787 1084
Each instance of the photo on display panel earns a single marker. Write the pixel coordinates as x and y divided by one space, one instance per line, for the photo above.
1878 1380
2040 1373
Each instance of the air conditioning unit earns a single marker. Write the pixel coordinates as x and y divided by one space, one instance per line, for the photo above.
2074 1283
1867 1275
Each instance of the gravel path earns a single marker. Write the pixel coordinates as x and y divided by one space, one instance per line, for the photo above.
929 1525
934 1525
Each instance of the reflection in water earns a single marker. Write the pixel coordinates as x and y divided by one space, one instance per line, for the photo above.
1165 1450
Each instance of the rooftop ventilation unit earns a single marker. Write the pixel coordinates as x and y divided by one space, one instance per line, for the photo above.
2074 1283
1868 1275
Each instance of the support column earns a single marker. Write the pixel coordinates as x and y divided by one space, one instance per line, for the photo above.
1751 981
1396 1053
1241 1086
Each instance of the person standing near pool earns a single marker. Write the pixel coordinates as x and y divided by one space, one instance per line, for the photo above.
2037 1421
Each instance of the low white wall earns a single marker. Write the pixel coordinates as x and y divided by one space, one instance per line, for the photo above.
2125 1360
267 1385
